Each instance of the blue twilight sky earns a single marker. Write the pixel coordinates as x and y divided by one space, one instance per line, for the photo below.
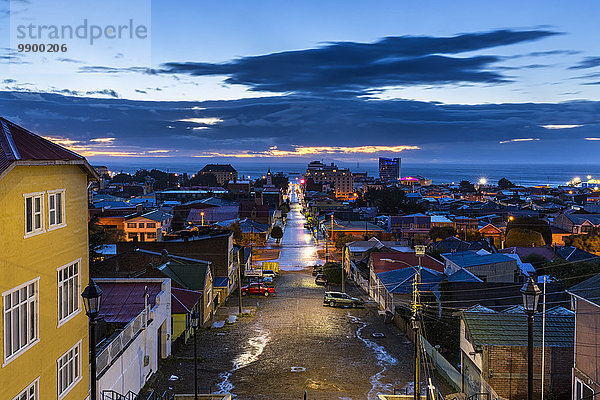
461 81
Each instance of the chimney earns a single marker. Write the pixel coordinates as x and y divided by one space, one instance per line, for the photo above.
164 256
139 207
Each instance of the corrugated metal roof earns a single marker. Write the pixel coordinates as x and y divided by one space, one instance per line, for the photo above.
188 276
19 144
470 259
401 280
183 300
589 290
396 260
123 301
510 329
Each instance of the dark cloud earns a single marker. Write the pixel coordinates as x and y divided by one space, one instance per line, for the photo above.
588 62
441 131
140 91
106 92
70 60
358 68
352 69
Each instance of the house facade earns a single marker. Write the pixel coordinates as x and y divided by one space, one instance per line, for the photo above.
43 268
146 227
586 368
137 332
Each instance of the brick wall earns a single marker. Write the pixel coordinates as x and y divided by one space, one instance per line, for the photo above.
505 368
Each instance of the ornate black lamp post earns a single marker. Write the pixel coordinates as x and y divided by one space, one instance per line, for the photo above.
92 299
531 295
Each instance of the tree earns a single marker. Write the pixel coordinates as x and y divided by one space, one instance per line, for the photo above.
99 236
466 187
122 177
441 232
277 233
238 237
390 200
203 180
589 242
341 240
531 223
333 272
520 237
505 184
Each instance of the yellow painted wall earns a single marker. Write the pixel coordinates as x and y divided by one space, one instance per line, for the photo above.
178 325
23 259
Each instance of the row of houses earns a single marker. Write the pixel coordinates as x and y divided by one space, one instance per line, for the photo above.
479 290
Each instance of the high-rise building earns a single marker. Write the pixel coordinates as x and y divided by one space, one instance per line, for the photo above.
43 268
340 179
389 169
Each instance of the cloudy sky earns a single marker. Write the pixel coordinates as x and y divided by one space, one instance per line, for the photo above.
429 81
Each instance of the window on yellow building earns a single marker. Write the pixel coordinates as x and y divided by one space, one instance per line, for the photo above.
151 235
20 307
56 210
29 393
34 216
131 225
141 225
151 225
68 291
69 370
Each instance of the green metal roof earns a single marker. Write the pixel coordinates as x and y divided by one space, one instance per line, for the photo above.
510 329
188 276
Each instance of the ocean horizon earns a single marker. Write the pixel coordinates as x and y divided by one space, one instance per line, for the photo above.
440 173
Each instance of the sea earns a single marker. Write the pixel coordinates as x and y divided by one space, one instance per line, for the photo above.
440 173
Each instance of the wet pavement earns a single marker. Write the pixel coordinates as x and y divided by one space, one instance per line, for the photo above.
298 247
291 342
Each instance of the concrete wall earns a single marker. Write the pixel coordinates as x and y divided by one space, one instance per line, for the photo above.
128 372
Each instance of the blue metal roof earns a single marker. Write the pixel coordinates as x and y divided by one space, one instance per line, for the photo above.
221 281
467 259
401 280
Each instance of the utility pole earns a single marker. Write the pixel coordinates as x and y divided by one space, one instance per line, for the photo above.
416 308
240 281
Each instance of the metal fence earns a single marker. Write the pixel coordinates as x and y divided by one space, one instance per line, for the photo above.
120 342
442 365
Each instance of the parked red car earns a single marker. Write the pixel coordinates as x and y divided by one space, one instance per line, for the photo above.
258 288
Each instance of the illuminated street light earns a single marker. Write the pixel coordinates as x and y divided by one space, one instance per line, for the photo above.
482 181
202 215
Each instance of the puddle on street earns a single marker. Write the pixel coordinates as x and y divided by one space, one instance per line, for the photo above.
384 359
254 348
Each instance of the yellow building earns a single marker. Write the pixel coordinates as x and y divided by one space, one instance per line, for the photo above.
43 268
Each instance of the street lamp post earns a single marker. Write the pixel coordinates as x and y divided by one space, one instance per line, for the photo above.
92 299
202 215
531 294
195 321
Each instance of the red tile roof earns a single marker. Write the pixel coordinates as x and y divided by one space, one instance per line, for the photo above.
123 301
392 261
183 300
18 144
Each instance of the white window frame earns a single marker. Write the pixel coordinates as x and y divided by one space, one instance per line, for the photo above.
36 306
62 209
76 363
35 385
76 292
41 229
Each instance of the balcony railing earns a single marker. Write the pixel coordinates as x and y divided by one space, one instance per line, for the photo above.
112 351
